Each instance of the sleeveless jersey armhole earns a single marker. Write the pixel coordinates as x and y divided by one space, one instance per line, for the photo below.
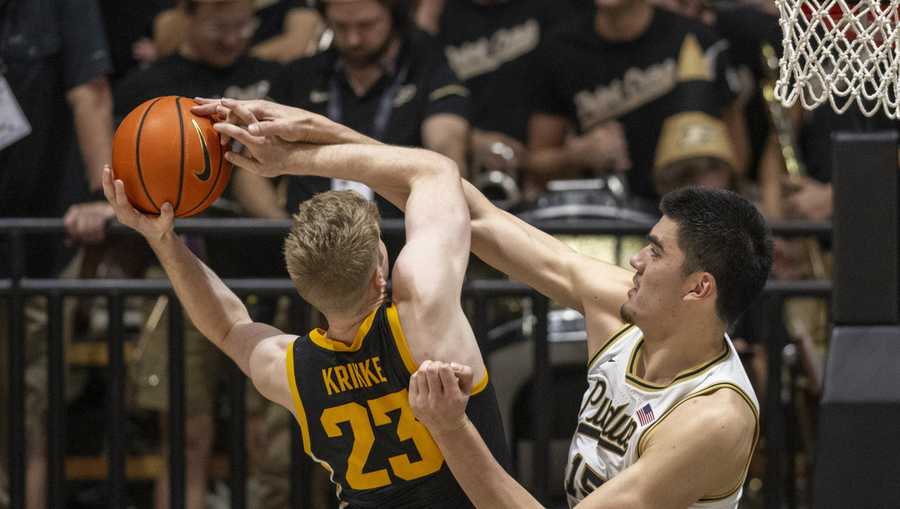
405 353
642 440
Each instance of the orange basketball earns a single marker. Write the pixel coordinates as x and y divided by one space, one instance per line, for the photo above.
164 153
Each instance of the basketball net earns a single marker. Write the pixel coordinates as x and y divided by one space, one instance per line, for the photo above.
841 52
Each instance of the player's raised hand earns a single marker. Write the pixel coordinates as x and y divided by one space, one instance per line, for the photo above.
438 394
266 118
268 156
151 227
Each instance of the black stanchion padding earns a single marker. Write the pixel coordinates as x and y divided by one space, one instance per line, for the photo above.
858 444
866 215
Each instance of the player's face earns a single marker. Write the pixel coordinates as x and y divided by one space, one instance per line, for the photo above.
220 32
362 30
659 281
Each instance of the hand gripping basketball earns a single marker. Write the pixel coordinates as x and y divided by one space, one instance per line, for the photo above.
149 226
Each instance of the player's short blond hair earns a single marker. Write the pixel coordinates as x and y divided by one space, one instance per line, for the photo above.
332 249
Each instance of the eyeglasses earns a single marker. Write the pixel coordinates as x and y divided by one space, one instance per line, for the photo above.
244 30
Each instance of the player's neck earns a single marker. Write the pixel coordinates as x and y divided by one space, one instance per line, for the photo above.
624 23
344 326
665 355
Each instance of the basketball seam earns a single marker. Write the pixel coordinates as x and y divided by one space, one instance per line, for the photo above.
137 155
181 171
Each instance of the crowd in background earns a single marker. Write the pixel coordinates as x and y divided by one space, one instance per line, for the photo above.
599 104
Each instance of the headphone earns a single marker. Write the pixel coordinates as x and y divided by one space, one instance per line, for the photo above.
401 12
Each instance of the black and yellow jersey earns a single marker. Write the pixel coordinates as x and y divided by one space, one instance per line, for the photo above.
352 405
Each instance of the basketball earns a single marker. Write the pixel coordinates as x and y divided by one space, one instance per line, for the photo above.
164 153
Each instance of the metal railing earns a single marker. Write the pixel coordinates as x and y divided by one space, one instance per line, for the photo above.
18 288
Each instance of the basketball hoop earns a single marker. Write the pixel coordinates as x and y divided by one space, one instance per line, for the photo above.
840 51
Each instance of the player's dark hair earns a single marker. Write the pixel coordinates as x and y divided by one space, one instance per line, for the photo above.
723 234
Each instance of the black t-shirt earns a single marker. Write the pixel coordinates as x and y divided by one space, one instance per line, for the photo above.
352 405
126 23
428 88
247 78
590 80
490 47
47 48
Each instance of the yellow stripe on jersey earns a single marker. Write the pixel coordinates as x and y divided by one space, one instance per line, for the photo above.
609 342
318 336
705 392
406 354
400 339
298 404
301 416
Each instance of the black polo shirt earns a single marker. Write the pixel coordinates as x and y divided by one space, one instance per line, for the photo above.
640 83
247 78
490 47
426 86
48 48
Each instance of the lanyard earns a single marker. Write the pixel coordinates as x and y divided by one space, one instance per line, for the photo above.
385 102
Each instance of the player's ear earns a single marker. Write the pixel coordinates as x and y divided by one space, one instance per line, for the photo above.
379 278
701 285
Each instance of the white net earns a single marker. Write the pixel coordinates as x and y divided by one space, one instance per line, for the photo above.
841 52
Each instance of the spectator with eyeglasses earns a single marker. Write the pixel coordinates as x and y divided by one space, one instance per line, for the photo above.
212 60
282 31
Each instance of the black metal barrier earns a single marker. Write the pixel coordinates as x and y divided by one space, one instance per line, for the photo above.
17 289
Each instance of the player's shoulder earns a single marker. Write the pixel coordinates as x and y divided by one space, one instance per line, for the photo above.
721 416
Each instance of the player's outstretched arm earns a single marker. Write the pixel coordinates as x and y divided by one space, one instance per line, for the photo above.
701 449
548 265
429 271
438 394
266 118
257 348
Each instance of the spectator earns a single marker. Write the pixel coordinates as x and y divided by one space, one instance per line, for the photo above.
381 77
490 45
211 61
639 66
56 74
287 30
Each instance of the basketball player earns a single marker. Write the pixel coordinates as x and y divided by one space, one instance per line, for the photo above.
347 386
669 418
